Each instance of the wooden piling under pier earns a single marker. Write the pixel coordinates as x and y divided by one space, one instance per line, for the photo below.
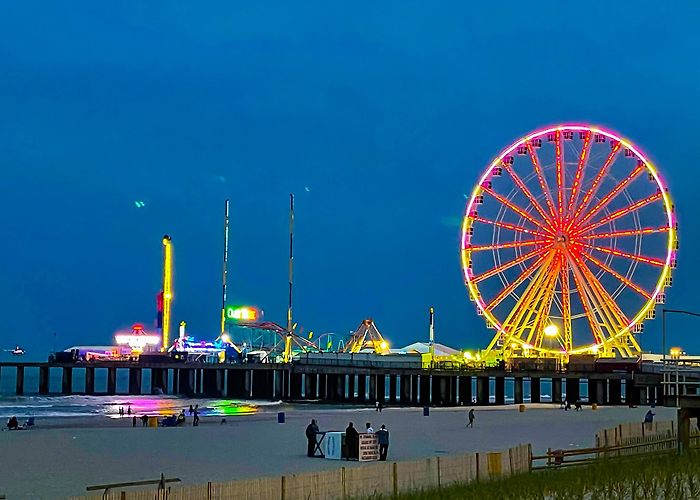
336 384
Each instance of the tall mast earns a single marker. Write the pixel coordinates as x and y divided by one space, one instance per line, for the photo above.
224 276
288 341
432 335
167 288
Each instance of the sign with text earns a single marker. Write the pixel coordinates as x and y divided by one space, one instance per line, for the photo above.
369 447
241 314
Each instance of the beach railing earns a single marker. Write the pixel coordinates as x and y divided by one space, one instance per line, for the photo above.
362 480
148 482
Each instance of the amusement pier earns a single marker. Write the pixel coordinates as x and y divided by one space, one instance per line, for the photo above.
568 244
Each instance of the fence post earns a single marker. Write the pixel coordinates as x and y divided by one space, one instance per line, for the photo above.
477 466
396 480
342 479
529 457
284 487
510 460
209 490
549 457
438 471
123 495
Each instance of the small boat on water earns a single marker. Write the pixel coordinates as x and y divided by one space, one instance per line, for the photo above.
18 351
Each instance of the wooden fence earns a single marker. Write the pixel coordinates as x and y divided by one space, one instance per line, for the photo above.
378 478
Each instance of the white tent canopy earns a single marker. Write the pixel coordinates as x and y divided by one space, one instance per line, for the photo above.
424 348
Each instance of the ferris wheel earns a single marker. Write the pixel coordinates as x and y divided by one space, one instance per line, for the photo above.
567 245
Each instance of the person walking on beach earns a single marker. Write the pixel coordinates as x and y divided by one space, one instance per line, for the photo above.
121 411
380 405
351 442
195 420
191 410
144 420
129 410
376 406
311 431
383 440
133 421
471 418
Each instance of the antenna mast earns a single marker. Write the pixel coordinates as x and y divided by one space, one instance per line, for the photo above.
288 341
224 276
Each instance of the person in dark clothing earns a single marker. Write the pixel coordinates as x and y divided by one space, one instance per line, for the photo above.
567 407
128 411
144 420
13 424
352 444
649 417
383 440
133 421
577 405
311 431
471 418
191 410
195 420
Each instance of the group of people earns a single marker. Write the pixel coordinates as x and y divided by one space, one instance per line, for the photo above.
13 424
169 421
566 405
352 440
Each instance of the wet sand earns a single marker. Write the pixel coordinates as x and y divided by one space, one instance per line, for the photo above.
61 456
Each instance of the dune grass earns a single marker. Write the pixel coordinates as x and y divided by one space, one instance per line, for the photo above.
665 476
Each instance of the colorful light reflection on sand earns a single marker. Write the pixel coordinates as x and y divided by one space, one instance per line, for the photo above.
164 407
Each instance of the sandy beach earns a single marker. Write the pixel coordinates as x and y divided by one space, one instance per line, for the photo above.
61 456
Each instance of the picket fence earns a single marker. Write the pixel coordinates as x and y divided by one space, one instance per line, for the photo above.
357 481
655 436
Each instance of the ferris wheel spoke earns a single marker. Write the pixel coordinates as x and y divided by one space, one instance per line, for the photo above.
515 283
512 324
617 275
612 194
560 176
521 212
588 308
631 232
541 318
626 255
595 184
578 178
619 213
616 319
512 227
542 180
502 246
507 265
528 194
566 304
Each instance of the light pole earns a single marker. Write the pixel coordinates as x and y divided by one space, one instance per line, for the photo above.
663 340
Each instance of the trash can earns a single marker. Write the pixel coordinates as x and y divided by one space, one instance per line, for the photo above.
152 421
280 417
426 411
521 408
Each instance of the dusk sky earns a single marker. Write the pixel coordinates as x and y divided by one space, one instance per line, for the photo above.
379 116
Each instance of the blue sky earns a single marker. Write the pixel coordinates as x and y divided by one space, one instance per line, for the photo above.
379 116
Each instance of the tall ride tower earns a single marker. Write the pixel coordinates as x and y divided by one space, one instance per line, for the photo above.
167 288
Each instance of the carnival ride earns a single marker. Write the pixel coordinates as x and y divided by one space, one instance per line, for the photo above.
366 338
568 242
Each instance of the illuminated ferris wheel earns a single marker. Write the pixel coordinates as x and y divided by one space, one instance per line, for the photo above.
568 242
